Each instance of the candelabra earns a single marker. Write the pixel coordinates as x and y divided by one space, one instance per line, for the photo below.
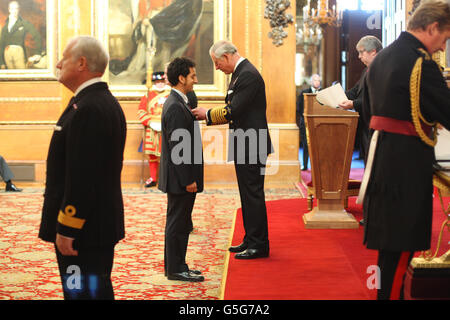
310 30
322 15
308 36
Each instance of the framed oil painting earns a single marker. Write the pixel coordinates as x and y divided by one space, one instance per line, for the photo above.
28 39
142 36
447 56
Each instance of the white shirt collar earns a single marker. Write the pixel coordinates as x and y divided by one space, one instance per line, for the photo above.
87 84
12 22
155 88
185 99
238 62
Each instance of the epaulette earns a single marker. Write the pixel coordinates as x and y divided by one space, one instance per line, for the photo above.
220 115
414 90
427 56
424 53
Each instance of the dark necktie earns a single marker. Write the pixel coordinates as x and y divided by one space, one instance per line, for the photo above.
69 106
71 102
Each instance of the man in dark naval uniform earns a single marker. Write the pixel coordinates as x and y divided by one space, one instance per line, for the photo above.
249 140
407 96
83 207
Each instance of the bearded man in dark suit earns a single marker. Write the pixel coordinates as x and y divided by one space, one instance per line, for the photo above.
249 140
83 208
181 168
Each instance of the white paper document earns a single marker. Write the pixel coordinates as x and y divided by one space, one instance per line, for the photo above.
442 148
331 96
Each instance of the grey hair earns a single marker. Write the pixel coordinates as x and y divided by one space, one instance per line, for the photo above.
222 47
429 12
316 75
369 43
92 49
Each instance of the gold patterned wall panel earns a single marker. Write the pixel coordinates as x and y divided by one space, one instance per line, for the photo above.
29 101
277 64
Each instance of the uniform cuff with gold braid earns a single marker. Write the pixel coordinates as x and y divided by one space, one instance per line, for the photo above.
67 218
219 115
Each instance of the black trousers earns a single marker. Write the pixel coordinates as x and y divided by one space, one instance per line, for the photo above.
304 144
393 266
365 143
5 171
178 227
254 213
88 275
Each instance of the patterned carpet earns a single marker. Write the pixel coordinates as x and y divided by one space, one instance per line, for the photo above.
28 269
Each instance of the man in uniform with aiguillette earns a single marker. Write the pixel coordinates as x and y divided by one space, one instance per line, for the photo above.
150 109
407 96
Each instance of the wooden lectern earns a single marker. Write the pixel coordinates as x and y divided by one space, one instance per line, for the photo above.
331 137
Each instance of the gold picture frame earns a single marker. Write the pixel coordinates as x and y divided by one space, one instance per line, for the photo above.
35 60
446 57
115 18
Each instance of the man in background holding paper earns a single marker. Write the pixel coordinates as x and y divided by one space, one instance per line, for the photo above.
367 47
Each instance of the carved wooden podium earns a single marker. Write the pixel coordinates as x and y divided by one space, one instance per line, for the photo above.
331 138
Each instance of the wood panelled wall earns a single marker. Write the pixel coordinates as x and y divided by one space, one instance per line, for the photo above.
29 109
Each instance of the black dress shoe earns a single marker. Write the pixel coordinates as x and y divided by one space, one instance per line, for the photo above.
10 187
252 254
196 272
185 276
438 167
242 247
361 222
151 184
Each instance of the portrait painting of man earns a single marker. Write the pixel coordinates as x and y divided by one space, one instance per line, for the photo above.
23 34
447 55
145 35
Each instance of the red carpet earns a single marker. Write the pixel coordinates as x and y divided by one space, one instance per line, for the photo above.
307 264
